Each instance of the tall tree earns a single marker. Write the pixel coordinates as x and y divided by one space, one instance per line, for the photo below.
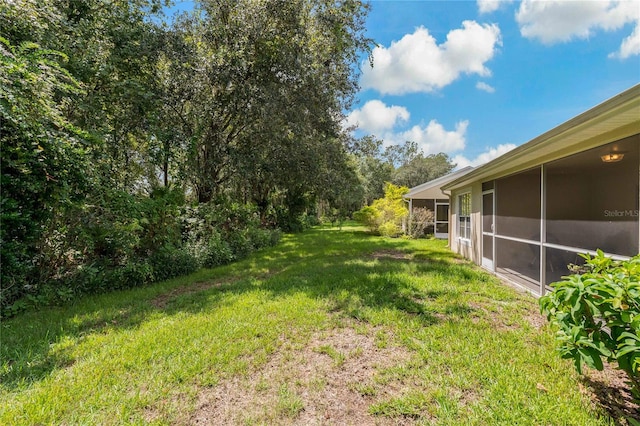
399 155
373 169
421 169
269 83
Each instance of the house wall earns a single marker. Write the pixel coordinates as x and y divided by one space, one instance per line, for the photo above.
541 227
469 249
439 225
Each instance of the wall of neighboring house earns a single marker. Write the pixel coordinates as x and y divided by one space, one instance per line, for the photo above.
439 225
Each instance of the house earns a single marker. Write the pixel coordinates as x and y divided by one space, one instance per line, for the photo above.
528 214
430 195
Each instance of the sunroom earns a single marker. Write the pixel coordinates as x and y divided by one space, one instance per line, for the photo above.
575 189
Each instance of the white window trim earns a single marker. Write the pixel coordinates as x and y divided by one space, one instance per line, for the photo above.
463 240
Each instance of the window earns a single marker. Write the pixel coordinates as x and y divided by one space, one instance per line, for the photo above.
464 216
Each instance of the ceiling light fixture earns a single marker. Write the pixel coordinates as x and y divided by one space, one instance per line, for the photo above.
612 157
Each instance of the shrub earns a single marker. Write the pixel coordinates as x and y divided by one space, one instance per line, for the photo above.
389 229
261 238
419 220
239 243
217 252
368 216
133 274
385 215
597 315
120 240
169 263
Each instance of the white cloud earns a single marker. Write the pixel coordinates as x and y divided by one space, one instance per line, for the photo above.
417 63
630 46
554 21
488 6
481 85
376 116
483 158
432 138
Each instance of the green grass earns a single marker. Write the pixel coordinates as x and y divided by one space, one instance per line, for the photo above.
144 356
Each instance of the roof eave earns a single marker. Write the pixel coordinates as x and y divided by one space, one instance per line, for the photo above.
438 182
626 101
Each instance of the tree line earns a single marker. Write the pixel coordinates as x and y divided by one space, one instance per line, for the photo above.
136 146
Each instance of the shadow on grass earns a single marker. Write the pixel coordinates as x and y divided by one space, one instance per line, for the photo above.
615 400
335 266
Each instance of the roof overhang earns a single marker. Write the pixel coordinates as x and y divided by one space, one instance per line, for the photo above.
433 188
612 120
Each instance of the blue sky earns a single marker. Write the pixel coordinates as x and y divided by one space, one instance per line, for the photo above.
474 79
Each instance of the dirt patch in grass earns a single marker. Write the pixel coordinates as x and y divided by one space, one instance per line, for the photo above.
161 301
391 254
608 389
536 320
329 380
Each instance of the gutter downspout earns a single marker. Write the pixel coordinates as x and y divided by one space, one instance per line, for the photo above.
410 203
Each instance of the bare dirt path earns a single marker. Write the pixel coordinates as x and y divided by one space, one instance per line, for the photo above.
332 380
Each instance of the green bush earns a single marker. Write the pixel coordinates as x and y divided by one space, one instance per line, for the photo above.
44 162
368 216
169 263
389 229
120 240
217 252
133 274
596 312
221 232
385 216
239 243
261 238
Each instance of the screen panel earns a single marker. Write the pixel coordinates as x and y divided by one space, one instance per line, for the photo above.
592 204
518 205
520 261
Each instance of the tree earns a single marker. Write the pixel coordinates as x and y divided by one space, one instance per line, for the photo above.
399 155
265 91
421 169
112 120
43 155
404 165
373 169
113 52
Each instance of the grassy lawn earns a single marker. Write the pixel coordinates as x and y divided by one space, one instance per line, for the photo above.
329 327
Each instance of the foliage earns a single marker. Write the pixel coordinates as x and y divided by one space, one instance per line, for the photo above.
43 155
404 165
421 169
369 217
255 128
399 155
597 315
407 322
419 219
115 121
389 229
220 232
385 215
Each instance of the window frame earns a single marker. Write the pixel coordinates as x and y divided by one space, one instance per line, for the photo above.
464 220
